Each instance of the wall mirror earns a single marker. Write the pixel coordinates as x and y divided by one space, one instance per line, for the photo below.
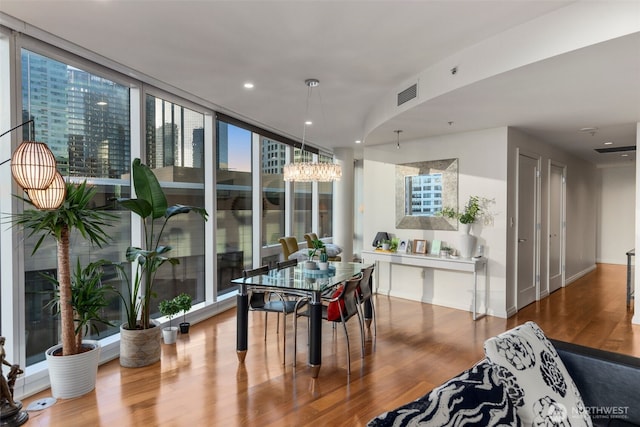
422 190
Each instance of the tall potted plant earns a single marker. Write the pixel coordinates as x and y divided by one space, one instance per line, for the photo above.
139 339
89 296
74 214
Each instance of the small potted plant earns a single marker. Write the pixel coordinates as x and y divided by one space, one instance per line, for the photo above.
184 303
386 244
324 260
316 245
169 308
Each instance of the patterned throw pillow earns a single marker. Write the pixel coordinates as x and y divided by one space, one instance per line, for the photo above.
535 378
473 398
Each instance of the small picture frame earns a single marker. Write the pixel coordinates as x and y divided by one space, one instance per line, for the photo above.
403 246
435 247
420 246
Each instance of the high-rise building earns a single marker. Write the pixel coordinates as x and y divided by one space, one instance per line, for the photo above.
82 117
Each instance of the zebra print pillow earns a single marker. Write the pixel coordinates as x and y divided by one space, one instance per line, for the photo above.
473 398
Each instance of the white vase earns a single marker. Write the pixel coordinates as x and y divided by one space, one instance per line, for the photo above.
170 334
467 241
73 376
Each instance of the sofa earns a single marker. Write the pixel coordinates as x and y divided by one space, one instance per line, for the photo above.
527 379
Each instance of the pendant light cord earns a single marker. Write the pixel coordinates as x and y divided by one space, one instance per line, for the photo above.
306 115
398 138
31 132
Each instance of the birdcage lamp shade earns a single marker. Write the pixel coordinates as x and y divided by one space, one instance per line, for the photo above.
33 165
51 197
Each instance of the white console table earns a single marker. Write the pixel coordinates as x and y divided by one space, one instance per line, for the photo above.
431 261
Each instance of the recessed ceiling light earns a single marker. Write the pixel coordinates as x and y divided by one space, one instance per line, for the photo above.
624 155
608 143
101 103
591 130
358 141
308 122
248 85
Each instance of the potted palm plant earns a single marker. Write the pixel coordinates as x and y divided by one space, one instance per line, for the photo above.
74 214
89 296
169 308
139 339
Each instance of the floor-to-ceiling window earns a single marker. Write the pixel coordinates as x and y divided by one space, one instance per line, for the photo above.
325 203
93 118
175 152
234 214
84 119
302 201
274 155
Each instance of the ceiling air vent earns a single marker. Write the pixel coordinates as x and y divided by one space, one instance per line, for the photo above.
616 149
408 94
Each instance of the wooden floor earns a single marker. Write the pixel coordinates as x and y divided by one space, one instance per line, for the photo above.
199 381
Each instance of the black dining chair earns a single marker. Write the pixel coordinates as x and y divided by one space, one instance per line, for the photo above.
273 301
286 264
342 306
364 295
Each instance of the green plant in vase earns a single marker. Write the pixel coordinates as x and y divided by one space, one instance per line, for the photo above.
150 205
169 308
89 297
139 342
469 213
316 246
184 302
77 214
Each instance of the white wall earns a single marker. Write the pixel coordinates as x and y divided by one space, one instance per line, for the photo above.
482 165
487 162
616 214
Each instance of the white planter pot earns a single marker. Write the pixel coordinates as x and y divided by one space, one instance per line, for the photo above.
73 376
140 347
467 245
170 334
323 265
310 265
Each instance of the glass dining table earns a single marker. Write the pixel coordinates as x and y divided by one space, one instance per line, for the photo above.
299 281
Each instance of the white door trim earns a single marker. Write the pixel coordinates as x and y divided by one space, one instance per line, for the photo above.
537 214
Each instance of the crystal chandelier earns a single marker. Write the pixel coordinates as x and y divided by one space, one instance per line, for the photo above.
304 171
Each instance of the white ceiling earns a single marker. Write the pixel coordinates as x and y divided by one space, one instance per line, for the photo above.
361 51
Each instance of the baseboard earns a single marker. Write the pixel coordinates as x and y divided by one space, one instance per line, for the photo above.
579 274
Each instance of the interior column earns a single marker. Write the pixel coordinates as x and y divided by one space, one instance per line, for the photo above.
343 204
